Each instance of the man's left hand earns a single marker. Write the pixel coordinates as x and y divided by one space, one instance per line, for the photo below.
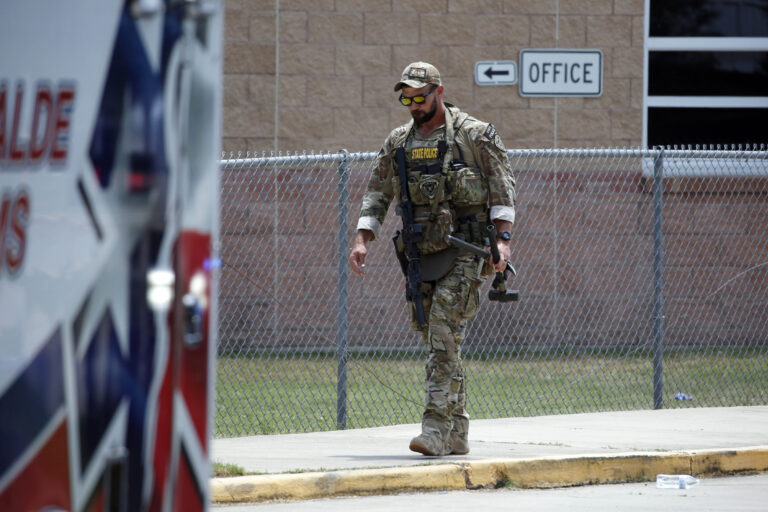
505 246
504 253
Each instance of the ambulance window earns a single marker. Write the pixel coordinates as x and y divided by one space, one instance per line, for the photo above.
705 73
709 18
726 126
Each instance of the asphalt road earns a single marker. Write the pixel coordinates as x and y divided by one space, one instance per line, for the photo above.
736 493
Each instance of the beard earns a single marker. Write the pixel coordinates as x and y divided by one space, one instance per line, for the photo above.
420 118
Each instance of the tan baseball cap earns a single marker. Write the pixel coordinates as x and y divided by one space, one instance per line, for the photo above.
417 75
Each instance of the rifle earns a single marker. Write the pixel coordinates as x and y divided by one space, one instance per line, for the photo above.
411 234
499 291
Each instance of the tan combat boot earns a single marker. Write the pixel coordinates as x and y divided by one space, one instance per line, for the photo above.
427 444
458 437
431 440
459 444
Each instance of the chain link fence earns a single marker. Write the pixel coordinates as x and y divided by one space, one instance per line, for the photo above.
642 278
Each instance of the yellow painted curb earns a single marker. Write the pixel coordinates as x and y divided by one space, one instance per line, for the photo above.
615 468
524 473
336 483
579 470
719 462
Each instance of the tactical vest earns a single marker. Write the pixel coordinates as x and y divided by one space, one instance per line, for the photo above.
449 196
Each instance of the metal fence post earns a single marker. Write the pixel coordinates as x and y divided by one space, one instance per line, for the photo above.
658 285
588 305
341 322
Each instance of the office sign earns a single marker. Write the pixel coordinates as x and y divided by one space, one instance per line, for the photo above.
558 72
496 72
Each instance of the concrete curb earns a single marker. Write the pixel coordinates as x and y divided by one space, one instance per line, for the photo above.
524 473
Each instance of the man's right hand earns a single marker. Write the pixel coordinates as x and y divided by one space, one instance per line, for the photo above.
359 251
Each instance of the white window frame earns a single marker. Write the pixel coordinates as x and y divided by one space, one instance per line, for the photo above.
670 44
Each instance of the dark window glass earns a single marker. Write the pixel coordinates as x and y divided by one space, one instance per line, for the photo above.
669 126
708 73
709 18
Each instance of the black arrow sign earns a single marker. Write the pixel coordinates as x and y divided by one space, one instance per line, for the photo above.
490 72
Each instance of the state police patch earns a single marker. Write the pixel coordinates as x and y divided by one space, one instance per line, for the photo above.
492 135
490 132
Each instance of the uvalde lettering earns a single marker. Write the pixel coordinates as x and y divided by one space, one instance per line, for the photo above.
49 118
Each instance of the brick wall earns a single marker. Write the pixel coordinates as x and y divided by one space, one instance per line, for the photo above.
326 81
582 244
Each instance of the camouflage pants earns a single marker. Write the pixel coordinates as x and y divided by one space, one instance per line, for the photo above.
448 304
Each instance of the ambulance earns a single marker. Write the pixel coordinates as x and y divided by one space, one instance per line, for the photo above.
110 114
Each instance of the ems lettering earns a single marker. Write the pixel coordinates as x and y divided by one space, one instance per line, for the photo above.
40 132
561 72
14 220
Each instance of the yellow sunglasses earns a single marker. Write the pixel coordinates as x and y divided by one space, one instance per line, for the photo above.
421 98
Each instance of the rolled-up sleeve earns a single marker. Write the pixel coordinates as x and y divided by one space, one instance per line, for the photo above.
494 163
503 213
370 223
378 194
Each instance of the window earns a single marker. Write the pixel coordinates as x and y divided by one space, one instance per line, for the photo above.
706 72
703 73
705 126
709 18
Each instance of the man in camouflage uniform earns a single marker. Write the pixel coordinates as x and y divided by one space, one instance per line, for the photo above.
459 179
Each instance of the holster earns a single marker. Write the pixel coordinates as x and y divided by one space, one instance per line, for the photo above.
433 266
436 265
397 240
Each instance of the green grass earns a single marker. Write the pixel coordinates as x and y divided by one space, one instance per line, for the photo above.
225 470
259 394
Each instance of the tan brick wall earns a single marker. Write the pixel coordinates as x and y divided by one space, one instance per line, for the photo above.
583 247
337 61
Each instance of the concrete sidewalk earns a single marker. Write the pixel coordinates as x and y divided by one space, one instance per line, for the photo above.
544 451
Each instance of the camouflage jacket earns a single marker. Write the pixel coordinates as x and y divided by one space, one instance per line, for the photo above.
480 147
